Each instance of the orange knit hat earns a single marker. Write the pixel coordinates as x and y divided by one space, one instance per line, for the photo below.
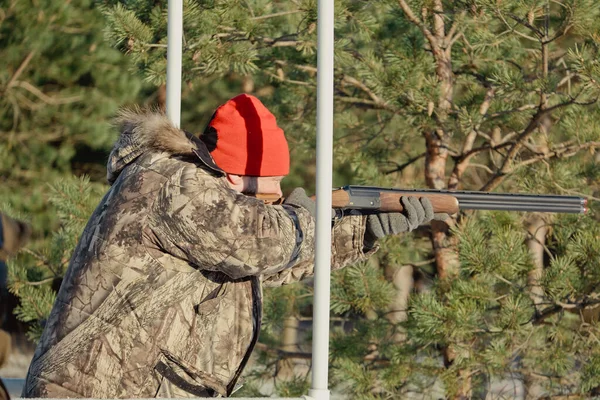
244 139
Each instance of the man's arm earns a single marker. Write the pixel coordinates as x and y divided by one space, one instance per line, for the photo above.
354 237
347 247
198 218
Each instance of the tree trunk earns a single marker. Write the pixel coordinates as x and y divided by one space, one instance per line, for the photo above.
289 342
537 229
437 141
402 279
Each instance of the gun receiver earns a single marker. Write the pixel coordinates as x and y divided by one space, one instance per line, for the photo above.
446 201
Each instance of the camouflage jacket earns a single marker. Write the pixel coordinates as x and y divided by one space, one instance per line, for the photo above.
162 296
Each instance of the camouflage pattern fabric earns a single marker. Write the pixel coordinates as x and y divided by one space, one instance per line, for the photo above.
163 293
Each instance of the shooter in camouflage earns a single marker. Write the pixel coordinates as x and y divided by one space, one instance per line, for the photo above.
162 297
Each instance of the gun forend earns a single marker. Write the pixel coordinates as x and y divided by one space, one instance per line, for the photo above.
368 198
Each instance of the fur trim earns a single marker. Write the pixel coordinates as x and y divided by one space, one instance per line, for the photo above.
147 131
152 130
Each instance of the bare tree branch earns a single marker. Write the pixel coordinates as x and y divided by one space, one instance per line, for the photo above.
556 153
410 161
513 28
44 97
526 24
462 165
278 14
514 110
19 70
452 35
356 83
529 129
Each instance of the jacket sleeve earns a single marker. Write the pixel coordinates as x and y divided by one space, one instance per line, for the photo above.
347 247
198 218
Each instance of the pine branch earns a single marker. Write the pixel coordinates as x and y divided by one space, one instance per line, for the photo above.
526 24
356 83
410 161
452 35
42 259
463 164
513 28
533 124
282 354
413 18
524 107
485 82
274 15
360 101
44 97
563 29
19 70
240 36
279 42
290 81
40 283
375 103
557 153
558 306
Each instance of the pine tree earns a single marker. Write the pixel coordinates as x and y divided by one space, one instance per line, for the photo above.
60 84
36 275
471 94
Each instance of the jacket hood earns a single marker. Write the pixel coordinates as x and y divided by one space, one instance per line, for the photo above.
147 131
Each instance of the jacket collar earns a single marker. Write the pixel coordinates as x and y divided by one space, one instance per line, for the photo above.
144 131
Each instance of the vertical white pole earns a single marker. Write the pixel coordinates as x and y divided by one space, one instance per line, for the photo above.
320 348
174 51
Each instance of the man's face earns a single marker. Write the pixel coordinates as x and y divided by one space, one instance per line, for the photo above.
262 185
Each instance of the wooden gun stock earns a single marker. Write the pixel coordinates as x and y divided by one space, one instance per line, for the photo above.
270 198
389 202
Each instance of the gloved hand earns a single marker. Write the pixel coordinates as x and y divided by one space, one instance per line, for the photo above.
416 212
298 198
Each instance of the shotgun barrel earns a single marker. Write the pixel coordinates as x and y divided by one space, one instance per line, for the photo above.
448 201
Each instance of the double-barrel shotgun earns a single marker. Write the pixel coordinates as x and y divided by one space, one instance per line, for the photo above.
380 199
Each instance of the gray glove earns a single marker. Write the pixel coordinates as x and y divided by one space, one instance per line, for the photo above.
298 198
416 212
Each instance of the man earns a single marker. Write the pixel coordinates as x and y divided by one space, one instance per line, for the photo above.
13 235
163 293
5 344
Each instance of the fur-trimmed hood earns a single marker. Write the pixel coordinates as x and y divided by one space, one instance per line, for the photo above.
144 131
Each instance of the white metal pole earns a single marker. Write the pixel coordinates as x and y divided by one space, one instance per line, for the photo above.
174 51
320 348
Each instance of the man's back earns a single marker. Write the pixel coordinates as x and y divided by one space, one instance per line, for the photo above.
126 305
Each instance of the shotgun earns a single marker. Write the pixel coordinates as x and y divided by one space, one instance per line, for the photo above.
380 199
